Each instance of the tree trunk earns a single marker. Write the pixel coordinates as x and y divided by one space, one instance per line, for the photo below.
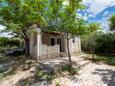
27 47
69 55
93 50
93 56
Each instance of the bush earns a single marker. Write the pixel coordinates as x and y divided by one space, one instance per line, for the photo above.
43 75
71 71
9 43
57 84
102 43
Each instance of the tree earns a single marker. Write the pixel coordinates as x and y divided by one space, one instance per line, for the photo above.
20 15
92 31
9 42
65 19
112 23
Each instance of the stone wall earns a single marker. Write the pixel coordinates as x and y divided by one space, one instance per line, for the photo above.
33 48
35 42
44 50
75 47
48 52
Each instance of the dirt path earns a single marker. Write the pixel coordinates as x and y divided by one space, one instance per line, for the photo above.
13 79
91 74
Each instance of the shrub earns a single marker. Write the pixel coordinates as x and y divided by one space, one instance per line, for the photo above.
43 75
102 43
57 84
71 71
9 43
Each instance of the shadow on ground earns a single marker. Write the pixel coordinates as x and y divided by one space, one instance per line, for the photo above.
9 65
108 76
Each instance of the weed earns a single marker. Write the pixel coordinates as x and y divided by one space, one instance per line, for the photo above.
57 84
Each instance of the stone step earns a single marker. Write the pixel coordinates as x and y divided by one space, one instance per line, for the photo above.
80 53
81 64
57 64
63 54
75 58
51 64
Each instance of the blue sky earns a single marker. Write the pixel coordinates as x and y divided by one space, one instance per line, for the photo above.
96 11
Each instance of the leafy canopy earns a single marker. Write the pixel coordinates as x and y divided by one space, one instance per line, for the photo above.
19 15
64 16
112 23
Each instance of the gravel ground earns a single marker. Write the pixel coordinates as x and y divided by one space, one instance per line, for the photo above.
91 75
13 79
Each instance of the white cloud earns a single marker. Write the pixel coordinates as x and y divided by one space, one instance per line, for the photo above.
4 34
105 24
97 6
85 17
2 27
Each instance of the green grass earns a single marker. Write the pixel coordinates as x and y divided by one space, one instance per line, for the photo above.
7 73
110 60
57 84
4 59
40 74
71 71
106 59
21 63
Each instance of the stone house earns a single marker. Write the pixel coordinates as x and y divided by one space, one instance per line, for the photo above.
44 45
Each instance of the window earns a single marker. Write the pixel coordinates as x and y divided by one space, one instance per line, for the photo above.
73 40
58 41
52 41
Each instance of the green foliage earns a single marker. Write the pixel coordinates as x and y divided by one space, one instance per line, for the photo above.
28 64
19 16
64 17
9 42
57 84
88 41
7 73
71 71
104 58
93 27
4 59
112 23
42 75
103 43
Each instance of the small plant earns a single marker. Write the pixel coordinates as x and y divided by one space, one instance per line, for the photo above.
71 71
103 58
28 64
50 77
42 75
57 84
7 73
24 82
